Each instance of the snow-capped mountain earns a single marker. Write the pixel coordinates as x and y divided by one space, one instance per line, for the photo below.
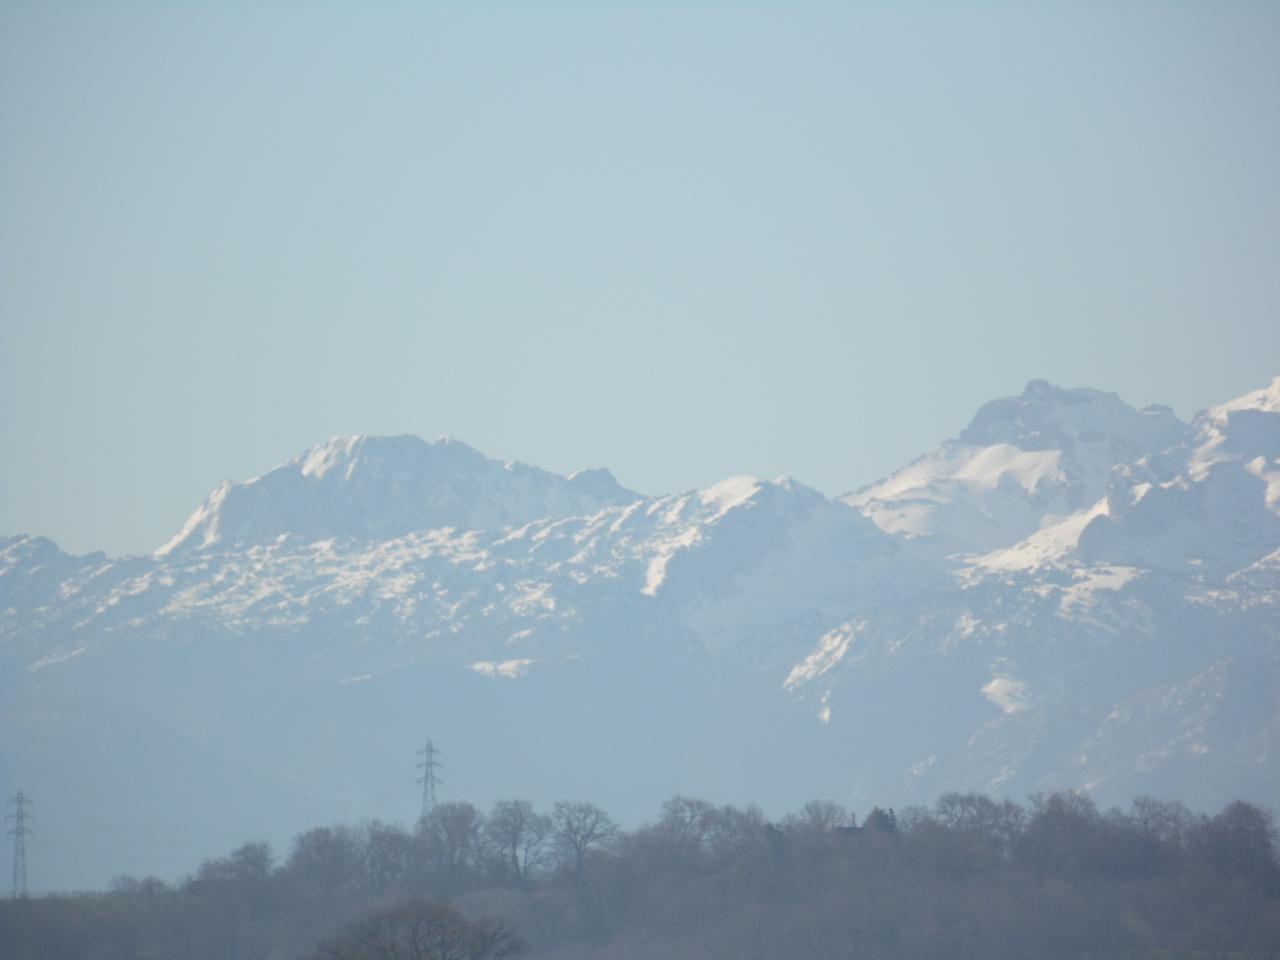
1022 463
1211 504
1073 593
1131 642
376 488
746 567
1205 507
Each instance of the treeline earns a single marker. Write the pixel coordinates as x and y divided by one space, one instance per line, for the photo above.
970 877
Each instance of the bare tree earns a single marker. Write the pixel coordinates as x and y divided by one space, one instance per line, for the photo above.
330 858
388 855
238 887
731 829
819 817
1168 821
1241 841
990 826
686 822
450 834
518 837
578 828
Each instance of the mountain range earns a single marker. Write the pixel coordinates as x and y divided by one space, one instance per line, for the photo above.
1073 593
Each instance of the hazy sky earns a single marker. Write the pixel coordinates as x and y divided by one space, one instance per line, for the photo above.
681 240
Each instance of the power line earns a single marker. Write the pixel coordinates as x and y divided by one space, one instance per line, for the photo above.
430 780
19 833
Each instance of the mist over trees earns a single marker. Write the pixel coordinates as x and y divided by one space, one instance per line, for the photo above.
969 877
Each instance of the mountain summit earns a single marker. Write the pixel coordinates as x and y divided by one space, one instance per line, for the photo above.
377 488
1022 463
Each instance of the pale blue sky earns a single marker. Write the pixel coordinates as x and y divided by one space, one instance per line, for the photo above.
678 240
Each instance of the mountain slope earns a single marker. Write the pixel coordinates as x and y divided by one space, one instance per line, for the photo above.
1133 642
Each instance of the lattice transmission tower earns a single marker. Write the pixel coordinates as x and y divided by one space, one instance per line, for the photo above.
429 764
19 834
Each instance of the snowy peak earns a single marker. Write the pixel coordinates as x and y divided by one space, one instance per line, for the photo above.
784 495
378 488
354 454
1047 417
1205 507
1023 463
1265 400
1246 428
1211 504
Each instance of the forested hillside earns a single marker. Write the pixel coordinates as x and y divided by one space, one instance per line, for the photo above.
969 877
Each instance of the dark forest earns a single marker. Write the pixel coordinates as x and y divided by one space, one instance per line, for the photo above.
971 877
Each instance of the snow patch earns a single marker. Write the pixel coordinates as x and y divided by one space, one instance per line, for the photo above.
1008 694
1044 547
830 651
730 493
57 658
511 669
1088 582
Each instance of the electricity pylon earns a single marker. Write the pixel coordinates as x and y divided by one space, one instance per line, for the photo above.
19 833
429 780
